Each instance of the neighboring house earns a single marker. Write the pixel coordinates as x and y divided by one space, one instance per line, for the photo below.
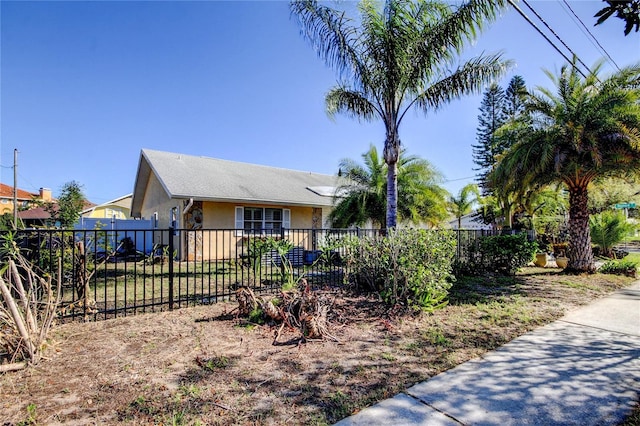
468 222
35 218
120 208
24 198
193 192
39 216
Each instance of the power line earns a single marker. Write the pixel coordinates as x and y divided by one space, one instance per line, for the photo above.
556 35
585 28
524 15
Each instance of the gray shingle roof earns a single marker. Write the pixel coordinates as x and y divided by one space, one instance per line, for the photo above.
211 179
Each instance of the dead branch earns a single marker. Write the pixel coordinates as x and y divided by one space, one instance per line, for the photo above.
298 309
26 312
12 367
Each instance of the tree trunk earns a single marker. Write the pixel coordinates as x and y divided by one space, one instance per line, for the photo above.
392 195
391 155
580 253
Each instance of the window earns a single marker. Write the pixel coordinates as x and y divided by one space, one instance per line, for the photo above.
262 220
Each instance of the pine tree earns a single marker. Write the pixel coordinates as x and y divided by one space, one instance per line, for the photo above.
514 97
491 117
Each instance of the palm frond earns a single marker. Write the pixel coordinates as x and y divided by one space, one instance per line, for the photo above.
470 78
342 100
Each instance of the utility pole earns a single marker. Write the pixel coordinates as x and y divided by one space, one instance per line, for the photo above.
15 189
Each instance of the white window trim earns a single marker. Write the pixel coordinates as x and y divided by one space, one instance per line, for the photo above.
239 221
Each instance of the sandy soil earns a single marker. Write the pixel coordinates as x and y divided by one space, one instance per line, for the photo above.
204 365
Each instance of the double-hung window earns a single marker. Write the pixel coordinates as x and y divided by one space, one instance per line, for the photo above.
259 220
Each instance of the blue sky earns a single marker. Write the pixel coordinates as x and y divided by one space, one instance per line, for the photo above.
86 85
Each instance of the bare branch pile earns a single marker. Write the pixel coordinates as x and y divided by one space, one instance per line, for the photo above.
28 309
299 309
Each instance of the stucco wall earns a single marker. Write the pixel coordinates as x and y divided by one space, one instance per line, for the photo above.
217 240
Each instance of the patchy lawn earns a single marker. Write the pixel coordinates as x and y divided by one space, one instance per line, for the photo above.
205 366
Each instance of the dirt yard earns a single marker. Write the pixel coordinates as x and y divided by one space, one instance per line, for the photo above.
205 366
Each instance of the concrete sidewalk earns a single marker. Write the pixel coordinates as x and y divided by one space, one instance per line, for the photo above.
583 369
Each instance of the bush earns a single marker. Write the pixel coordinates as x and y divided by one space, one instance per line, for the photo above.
608 229
504 254
620 267
409 266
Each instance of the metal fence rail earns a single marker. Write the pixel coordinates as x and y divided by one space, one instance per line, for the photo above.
109 273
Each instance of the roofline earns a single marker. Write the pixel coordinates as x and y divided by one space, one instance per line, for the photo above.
250 200
115 200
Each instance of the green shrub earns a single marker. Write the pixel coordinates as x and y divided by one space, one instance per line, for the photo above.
504 254
408 266
608 229
620 267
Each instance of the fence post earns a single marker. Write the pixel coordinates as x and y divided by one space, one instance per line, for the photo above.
172 233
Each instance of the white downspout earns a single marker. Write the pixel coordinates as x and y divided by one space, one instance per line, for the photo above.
187 207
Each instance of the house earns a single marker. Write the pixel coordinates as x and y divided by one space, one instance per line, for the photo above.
191 192
469 221
120 208
24 198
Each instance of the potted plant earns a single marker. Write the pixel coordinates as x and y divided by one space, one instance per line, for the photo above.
562 261
559 253
541 260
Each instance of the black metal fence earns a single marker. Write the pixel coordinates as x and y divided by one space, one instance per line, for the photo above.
109 273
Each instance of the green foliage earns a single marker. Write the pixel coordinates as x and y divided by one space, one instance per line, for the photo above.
408 266
256 316
421 198
620 267
398 56
256 248
462 204
608 229
586 129
32 416
70 204
627 10
504 254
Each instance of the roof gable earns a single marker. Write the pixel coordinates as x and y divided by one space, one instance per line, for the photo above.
210 179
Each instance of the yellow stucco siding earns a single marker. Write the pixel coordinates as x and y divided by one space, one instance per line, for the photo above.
109 212
157 201
218 240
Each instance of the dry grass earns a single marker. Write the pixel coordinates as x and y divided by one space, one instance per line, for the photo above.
205 366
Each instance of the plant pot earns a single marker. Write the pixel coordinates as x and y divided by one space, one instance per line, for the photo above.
541 260
562 261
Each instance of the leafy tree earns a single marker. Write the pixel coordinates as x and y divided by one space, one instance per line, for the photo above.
543 209
364 191
70 204
627 10
590 128
462 204
605 193
396 59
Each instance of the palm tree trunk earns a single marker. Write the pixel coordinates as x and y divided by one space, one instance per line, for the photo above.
392 194
391 155
580 253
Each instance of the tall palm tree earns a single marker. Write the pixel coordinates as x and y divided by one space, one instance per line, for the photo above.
462 204
362 197
589 128
396 59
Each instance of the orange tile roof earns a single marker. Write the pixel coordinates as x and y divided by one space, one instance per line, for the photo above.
6 191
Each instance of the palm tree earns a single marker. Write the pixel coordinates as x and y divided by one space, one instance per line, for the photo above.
396 59
362 197
589 129
462 204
